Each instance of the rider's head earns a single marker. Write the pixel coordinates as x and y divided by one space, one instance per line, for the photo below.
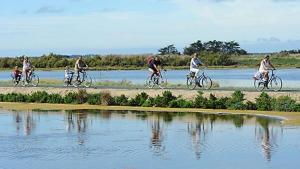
26 58
67 67
80 58
195 55
16 67
267 57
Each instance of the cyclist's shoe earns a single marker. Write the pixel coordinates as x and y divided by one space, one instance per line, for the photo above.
198 84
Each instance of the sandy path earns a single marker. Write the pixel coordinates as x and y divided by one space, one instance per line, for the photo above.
187 94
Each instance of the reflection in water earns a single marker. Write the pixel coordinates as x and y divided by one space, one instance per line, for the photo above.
198 127
28 123
157 135
267 137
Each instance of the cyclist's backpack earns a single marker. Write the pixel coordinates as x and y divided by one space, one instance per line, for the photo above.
149 59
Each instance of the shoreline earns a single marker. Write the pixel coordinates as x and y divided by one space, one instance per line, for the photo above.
145 68
289 118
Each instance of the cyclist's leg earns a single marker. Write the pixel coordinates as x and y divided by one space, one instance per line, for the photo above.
77 73
151 73
195 71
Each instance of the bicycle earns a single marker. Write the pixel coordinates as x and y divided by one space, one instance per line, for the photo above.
157 80
16 80
202 81
32 79
275 82
84 79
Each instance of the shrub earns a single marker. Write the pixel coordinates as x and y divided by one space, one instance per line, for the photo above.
166 98
71 98
55 98
236 101
221 103
284 103
94 99
39 97
181 103
263 102
139 99
106 98
200 101
121 100
81 96
250 106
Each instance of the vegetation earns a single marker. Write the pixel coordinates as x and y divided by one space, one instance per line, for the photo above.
236 102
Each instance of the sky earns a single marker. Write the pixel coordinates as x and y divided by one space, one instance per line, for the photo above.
35 27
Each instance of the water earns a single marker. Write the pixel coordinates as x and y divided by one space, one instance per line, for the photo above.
137 140
226 77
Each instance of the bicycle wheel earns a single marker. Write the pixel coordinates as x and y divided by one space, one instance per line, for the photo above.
75 82
87 81
150 83
66 81
276 83
259 85
162 82
206 82
190 82
35 80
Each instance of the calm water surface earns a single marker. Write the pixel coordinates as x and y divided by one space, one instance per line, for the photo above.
137 140
225 77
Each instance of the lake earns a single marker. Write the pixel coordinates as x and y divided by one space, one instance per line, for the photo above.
140 140
225 77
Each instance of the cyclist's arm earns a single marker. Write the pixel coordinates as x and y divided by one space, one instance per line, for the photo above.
271 65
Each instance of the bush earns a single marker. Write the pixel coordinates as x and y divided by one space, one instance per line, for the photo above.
139 99
121 100
166 98
263 102
55 98
284 103
250 106
94 99
70 98
181 103
81 96
39 97
106 98
236 101
200 101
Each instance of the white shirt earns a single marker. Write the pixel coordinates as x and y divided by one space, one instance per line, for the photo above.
26 65
194 63
264 65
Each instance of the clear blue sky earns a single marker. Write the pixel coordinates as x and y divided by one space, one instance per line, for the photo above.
34 27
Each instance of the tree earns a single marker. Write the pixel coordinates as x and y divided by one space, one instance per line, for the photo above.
195 47
169 50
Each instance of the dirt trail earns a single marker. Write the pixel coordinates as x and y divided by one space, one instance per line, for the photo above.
186 94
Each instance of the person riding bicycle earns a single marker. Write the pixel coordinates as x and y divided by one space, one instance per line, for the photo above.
17 73
153 63
80 66
26 67
68 74
195 63
265 66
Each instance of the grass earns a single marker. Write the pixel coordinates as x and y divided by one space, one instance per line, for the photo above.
290 118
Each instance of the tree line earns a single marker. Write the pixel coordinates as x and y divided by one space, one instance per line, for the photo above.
213 53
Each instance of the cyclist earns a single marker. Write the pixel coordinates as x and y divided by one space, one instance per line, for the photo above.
26 67
17 73
265 65
195 63
68 74
80 66
153 63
